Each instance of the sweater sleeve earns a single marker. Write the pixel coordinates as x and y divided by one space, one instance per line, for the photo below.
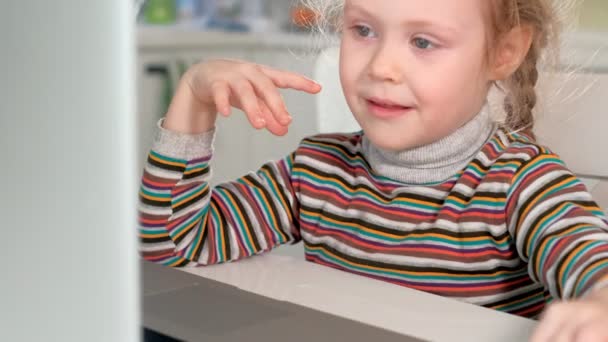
558 229
185 222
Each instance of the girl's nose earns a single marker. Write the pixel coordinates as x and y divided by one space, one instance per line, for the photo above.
386 65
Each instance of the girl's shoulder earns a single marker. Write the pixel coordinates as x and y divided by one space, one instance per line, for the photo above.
522 143
519 146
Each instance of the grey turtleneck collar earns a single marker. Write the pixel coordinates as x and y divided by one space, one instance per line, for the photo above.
435 162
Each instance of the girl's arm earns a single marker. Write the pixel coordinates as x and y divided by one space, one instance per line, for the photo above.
183 221
558 228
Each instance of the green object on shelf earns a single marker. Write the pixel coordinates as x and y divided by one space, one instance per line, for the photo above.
160 12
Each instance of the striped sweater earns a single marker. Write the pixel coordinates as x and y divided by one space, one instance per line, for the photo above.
511 231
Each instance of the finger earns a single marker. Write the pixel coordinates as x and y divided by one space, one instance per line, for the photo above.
593 331
287 79
551 322
565 332
248 102
267 90
576 315
221 97
272 125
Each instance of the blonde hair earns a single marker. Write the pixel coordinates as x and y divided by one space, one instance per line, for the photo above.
520 91
545 17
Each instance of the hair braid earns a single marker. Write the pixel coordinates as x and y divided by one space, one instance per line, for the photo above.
521 97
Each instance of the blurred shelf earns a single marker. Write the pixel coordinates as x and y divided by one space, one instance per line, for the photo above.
154 38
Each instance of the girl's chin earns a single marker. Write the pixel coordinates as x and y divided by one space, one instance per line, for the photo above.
386 142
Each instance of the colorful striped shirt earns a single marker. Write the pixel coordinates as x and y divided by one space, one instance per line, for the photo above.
511 231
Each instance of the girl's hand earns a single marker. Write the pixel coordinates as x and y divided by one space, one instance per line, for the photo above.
217 85
583 320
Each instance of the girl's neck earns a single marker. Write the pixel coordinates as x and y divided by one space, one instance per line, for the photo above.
435 162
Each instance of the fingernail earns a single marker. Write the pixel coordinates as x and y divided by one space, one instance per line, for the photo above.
286 119
260 122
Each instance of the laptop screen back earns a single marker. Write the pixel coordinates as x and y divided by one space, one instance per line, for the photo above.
67 203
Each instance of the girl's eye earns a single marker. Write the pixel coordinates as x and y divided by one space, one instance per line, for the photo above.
423 44
364 31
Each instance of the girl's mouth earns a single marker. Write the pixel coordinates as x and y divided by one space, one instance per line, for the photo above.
385 109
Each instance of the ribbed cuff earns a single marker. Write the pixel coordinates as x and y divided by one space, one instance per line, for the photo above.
183 146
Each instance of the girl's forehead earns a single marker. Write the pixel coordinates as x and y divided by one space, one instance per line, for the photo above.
459 13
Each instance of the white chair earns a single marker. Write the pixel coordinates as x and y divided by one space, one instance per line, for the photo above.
333 114
574 120
575 126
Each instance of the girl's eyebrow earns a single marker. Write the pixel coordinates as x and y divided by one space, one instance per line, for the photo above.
428 25
348 8
411 24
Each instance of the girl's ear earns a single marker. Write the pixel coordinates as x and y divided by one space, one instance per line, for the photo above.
511 51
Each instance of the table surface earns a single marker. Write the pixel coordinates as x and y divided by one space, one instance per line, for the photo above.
288 277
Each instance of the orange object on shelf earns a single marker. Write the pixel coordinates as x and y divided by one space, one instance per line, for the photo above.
303 17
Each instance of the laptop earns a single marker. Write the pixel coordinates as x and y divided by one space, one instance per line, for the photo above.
68 179
179 306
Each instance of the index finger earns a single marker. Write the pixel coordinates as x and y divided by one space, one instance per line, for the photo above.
286 79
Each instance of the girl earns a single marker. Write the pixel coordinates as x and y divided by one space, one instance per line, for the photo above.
432 194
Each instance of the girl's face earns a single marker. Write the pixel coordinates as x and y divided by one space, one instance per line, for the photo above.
413 71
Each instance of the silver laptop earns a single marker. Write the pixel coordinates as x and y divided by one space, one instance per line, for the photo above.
68 180
179 306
